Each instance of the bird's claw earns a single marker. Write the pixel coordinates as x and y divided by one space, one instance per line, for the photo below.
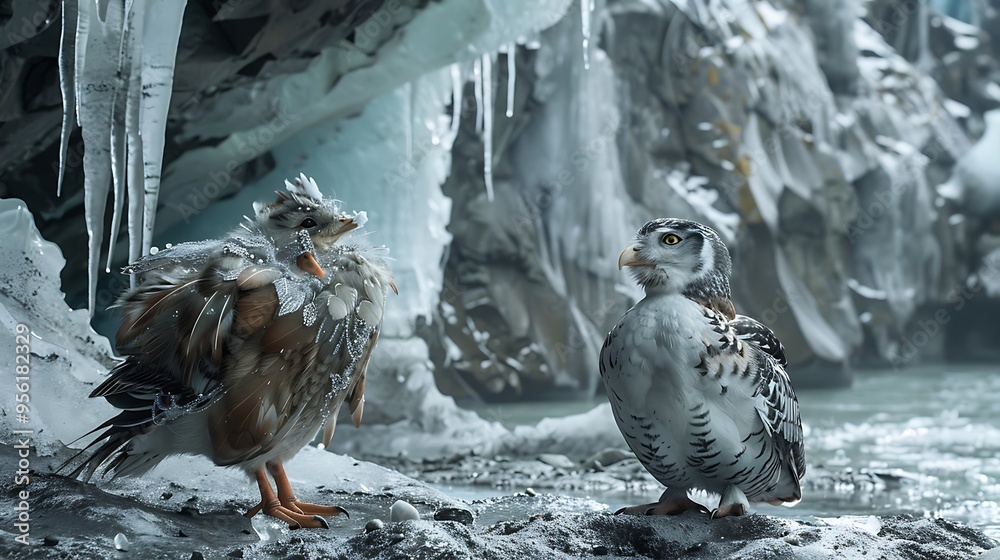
664 507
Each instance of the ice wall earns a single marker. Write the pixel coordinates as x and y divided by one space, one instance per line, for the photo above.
63 355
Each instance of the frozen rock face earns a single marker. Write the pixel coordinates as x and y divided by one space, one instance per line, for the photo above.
813 166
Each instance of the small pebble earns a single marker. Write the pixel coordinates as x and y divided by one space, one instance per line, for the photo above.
197 556
461 515
166 495
401 511
236 553
396 538
181 533
556 460
190 511
600 550
374 525
531 492
50 541
121 542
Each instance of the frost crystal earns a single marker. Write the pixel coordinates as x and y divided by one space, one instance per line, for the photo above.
309 314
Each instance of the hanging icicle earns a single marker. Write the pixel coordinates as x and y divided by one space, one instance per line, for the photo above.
410 100
99 32
117 81
159 54
67 83
487 93
511 77
456 103
585 9
133 102
477 89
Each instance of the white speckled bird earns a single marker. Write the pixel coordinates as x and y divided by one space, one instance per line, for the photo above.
699 392
241 349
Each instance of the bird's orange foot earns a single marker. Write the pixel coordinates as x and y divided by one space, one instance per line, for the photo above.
315 509
296 518
668 506
285 507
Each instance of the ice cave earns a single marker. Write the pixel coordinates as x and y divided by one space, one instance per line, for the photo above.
461 279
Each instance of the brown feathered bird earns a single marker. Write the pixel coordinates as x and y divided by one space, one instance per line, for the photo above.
241 349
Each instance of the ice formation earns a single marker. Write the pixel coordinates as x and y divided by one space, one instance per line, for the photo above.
65 353
119 83
511 77
977 174
487 97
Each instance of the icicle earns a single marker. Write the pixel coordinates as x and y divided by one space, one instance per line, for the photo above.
477 88
511 76
118 142
67 59
95 76
924 59
585 9
159 55
80 50
409 121
487 80
134 166
456 101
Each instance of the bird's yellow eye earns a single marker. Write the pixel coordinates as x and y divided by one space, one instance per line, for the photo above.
671 239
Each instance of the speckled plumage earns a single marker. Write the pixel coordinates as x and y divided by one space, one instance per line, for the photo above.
241 349
700 393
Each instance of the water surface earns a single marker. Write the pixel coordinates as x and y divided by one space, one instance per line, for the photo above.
923 441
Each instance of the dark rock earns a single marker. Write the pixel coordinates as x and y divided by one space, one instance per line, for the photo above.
460 515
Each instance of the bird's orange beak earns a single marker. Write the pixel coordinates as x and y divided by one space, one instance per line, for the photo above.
307 263
630 257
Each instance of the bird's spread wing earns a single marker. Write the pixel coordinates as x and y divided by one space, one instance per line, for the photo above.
756 332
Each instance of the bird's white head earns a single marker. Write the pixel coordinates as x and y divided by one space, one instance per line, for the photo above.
679 256
302 223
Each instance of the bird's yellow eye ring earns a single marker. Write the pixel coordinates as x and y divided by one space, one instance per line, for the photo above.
671 239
